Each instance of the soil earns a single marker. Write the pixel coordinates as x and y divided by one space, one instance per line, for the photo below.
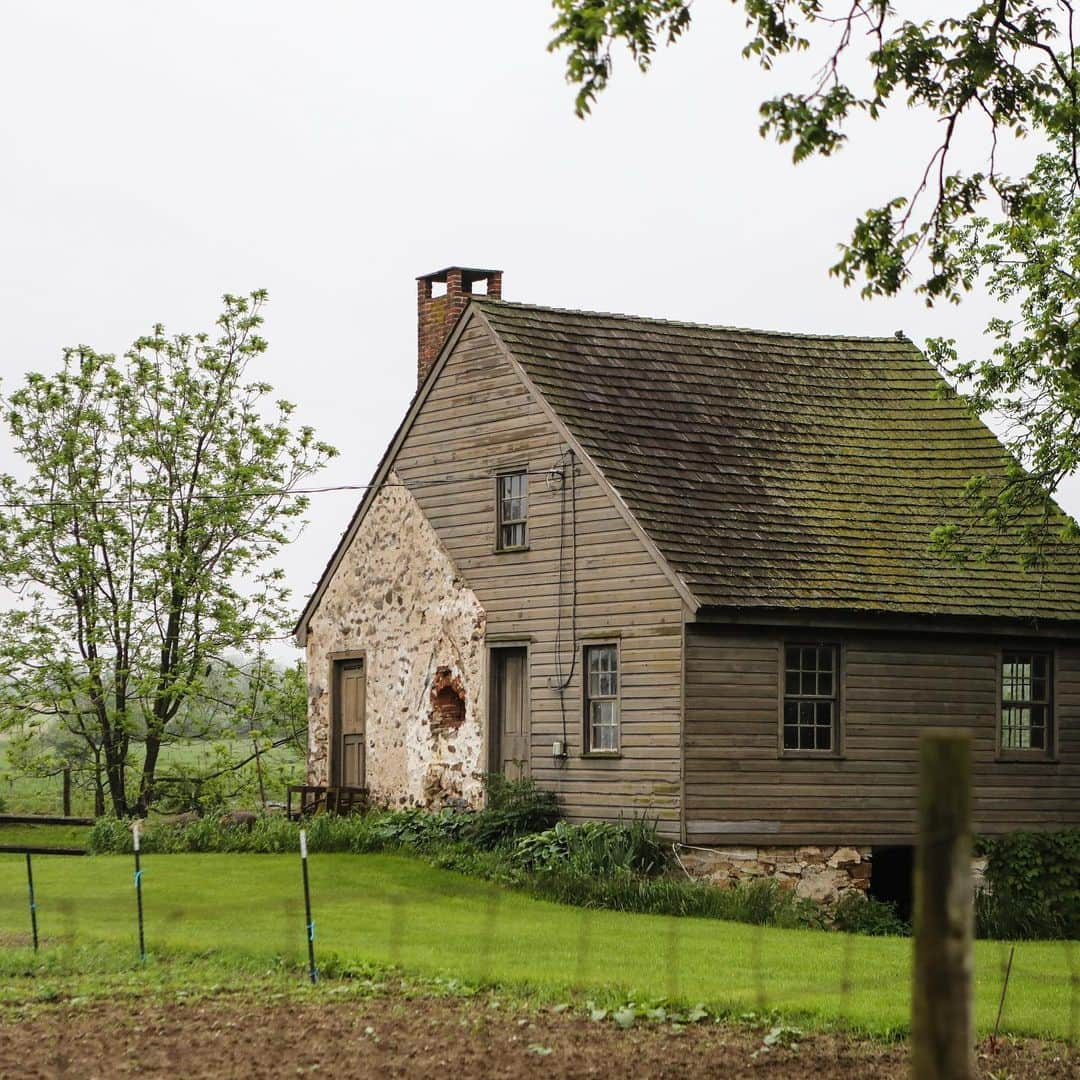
434 1037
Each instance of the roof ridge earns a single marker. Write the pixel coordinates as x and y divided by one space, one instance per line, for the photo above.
489 302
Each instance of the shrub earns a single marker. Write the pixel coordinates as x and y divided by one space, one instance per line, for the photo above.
512 808
855 913
421 830
1032 886
594 849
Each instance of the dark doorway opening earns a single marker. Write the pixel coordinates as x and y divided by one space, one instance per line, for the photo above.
892 877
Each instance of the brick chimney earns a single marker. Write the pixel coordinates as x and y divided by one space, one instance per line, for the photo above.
436 315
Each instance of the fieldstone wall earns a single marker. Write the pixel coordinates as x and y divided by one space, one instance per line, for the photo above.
398 596
817 873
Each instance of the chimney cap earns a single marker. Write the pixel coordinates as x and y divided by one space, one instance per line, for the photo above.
469 274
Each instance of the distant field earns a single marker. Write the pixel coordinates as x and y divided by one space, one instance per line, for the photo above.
44 795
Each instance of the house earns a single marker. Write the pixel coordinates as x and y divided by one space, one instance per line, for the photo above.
684 570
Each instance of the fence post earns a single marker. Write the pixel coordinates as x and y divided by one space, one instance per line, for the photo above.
942 1027
67 791
33 900
135 829
312 971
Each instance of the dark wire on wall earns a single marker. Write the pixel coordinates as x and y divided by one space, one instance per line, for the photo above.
560 683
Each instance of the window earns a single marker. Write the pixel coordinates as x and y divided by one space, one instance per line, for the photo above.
810 697
512 509
602 699
1026 706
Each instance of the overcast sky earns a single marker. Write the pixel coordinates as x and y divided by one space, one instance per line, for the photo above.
156 156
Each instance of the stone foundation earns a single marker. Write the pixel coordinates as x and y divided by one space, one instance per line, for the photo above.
823 874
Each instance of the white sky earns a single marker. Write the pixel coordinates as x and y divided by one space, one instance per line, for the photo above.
156 156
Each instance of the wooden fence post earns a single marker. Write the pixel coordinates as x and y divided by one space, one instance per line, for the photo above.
942 1022
67 791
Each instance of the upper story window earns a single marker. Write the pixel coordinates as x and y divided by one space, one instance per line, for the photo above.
601 699
811 697
1026 702
512 510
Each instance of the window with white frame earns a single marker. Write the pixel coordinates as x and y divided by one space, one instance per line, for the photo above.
1026 701
602 699
512 510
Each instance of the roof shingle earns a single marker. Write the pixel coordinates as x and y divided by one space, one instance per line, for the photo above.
780 470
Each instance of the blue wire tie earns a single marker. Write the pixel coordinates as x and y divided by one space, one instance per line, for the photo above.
138 878
311 931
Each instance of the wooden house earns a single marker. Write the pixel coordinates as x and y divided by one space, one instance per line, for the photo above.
685 571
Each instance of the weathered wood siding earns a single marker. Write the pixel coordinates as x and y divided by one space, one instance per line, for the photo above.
739 790
480 417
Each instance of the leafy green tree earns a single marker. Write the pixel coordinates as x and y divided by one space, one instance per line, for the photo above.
157 490
981 72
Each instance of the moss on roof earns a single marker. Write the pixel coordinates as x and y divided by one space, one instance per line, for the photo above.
783 470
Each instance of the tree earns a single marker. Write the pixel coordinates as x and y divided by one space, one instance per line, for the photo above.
1000 68
158 489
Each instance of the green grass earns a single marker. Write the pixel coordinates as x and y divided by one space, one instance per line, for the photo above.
44 795
56 836
383 909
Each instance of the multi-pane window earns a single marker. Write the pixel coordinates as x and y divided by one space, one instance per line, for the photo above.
512 498
1025 701
810 697
602 699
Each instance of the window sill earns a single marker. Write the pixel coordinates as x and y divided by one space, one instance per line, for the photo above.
509 550
812 755
608 754
1026 757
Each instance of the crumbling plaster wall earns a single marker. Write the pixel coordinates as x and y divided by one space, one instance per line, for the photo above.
397 596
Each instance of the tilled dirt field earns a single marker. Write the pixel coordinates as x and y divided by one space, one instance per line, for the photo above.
433 1036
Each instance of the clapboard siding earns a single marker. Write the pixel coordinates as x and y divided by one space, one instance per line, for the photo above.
480 417
739 789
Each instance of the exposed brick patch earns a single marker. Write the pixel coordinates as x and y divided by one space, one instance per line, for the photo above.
447 702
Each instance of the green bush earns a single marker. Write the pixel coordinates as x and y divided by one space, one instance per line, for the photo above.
422 830
855 913
512 808
593 849
1032 886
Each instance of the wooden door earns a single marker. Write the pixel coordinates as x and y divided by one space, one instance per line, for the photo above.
509 718
347 751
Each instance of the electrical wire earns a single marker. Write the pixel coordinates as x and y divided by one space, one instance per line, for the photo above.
254 493
562 684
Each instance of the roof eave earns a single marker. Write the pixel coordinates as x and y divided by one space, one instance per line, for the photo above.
848 619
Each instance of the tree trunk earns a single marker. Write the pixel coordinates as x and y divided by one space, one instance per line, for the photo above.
114 771
149 770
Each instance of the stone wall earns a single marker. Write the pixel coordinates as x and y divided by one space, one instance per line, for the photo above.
818 873
397 596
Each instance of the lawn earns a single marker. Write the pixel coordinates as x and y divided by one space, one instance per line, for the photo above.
398 910
51 836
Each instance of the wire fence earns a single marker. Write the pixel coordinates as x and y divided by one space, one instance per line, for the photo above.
603 961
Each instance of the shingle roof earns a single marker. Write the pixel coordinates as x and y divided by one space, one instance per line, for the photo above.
781 470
